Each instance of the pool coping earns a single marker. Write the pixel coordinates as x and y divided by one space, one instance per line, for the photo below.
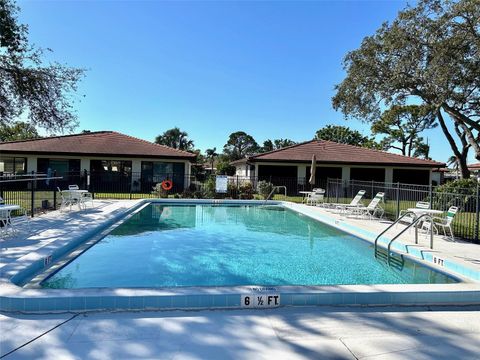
14 298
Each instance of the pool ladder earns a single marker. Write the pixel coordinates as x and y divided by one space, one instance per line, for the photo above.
379 254
275 188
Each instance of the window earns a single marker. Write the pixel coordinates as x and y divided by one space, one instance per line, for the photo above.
154 172
410 176
111 166
62 167
13 165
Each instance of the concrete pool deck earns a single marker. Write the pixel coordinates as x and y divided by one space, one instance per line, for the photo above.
55 230
288 333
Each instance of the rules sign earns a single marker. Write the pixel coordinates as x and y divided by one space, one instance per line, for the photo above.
261 300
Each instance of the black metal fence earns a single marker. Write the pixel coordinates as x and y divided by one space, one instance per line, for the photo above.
400 197
38 193
35 193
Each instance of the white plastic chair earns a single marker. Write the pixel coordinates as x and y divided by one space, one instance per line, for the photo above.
443 222
13 224
4 222
87 197
316 197
21 222
67 200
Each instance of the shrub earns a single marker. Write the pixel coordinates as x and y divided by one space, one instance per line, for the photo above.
264 188
461 193
232 190
246 191
209 188
187 194
158 191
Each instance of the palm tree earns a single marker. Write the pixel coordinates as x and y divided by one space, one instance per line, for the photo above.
453 161
176 139
211 155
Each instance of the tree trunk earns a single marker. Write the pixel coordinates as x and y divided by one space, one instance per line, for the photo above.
462 121
462 165
461 156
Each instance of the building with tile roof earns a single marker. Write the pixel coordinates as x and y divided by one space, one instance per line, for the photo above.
335 160
107 154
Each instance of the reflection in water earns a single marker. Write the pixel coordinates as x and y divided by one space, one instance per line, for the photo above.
203 245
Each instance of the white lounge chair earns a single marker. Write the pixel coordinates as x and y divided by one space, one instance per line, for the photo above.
443 222
372 210
341 206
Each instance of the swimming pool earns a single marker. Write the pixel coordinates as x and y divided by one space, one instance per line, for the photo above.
165 245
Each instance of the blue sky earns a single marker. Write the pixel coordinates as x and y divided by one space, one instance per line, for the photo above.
210 68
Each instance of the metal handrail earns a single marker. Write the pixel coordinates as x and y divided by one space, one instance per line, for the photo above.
31 179
414 222
273 190
391 225
426 216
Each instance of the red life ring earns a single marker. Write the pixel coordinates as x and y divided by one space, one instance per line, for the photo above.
167 185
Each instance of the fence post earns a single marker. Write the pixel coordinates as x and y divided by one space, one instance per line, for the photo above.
32 202
430 195
398 200
337 185
326 191
54 191
477 211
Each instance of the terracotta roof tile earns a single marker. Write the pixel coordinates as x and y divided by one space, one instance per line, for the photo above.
330 152
475 166
107 143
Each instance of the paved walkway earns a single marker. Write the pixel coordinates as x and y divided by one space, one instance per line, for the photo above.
288 333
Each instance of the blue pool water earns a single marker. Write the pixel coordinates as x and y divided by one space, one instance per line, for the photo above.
205 245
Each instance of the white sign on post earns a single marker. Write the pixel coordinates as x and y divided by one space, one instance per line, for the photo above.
221 183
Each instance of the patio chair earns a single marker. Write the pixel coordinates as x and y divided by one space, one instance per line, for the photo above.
20 222
67 200
340 206
372 210
316 197
73 187
13 224
87 196
4 223
443 222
